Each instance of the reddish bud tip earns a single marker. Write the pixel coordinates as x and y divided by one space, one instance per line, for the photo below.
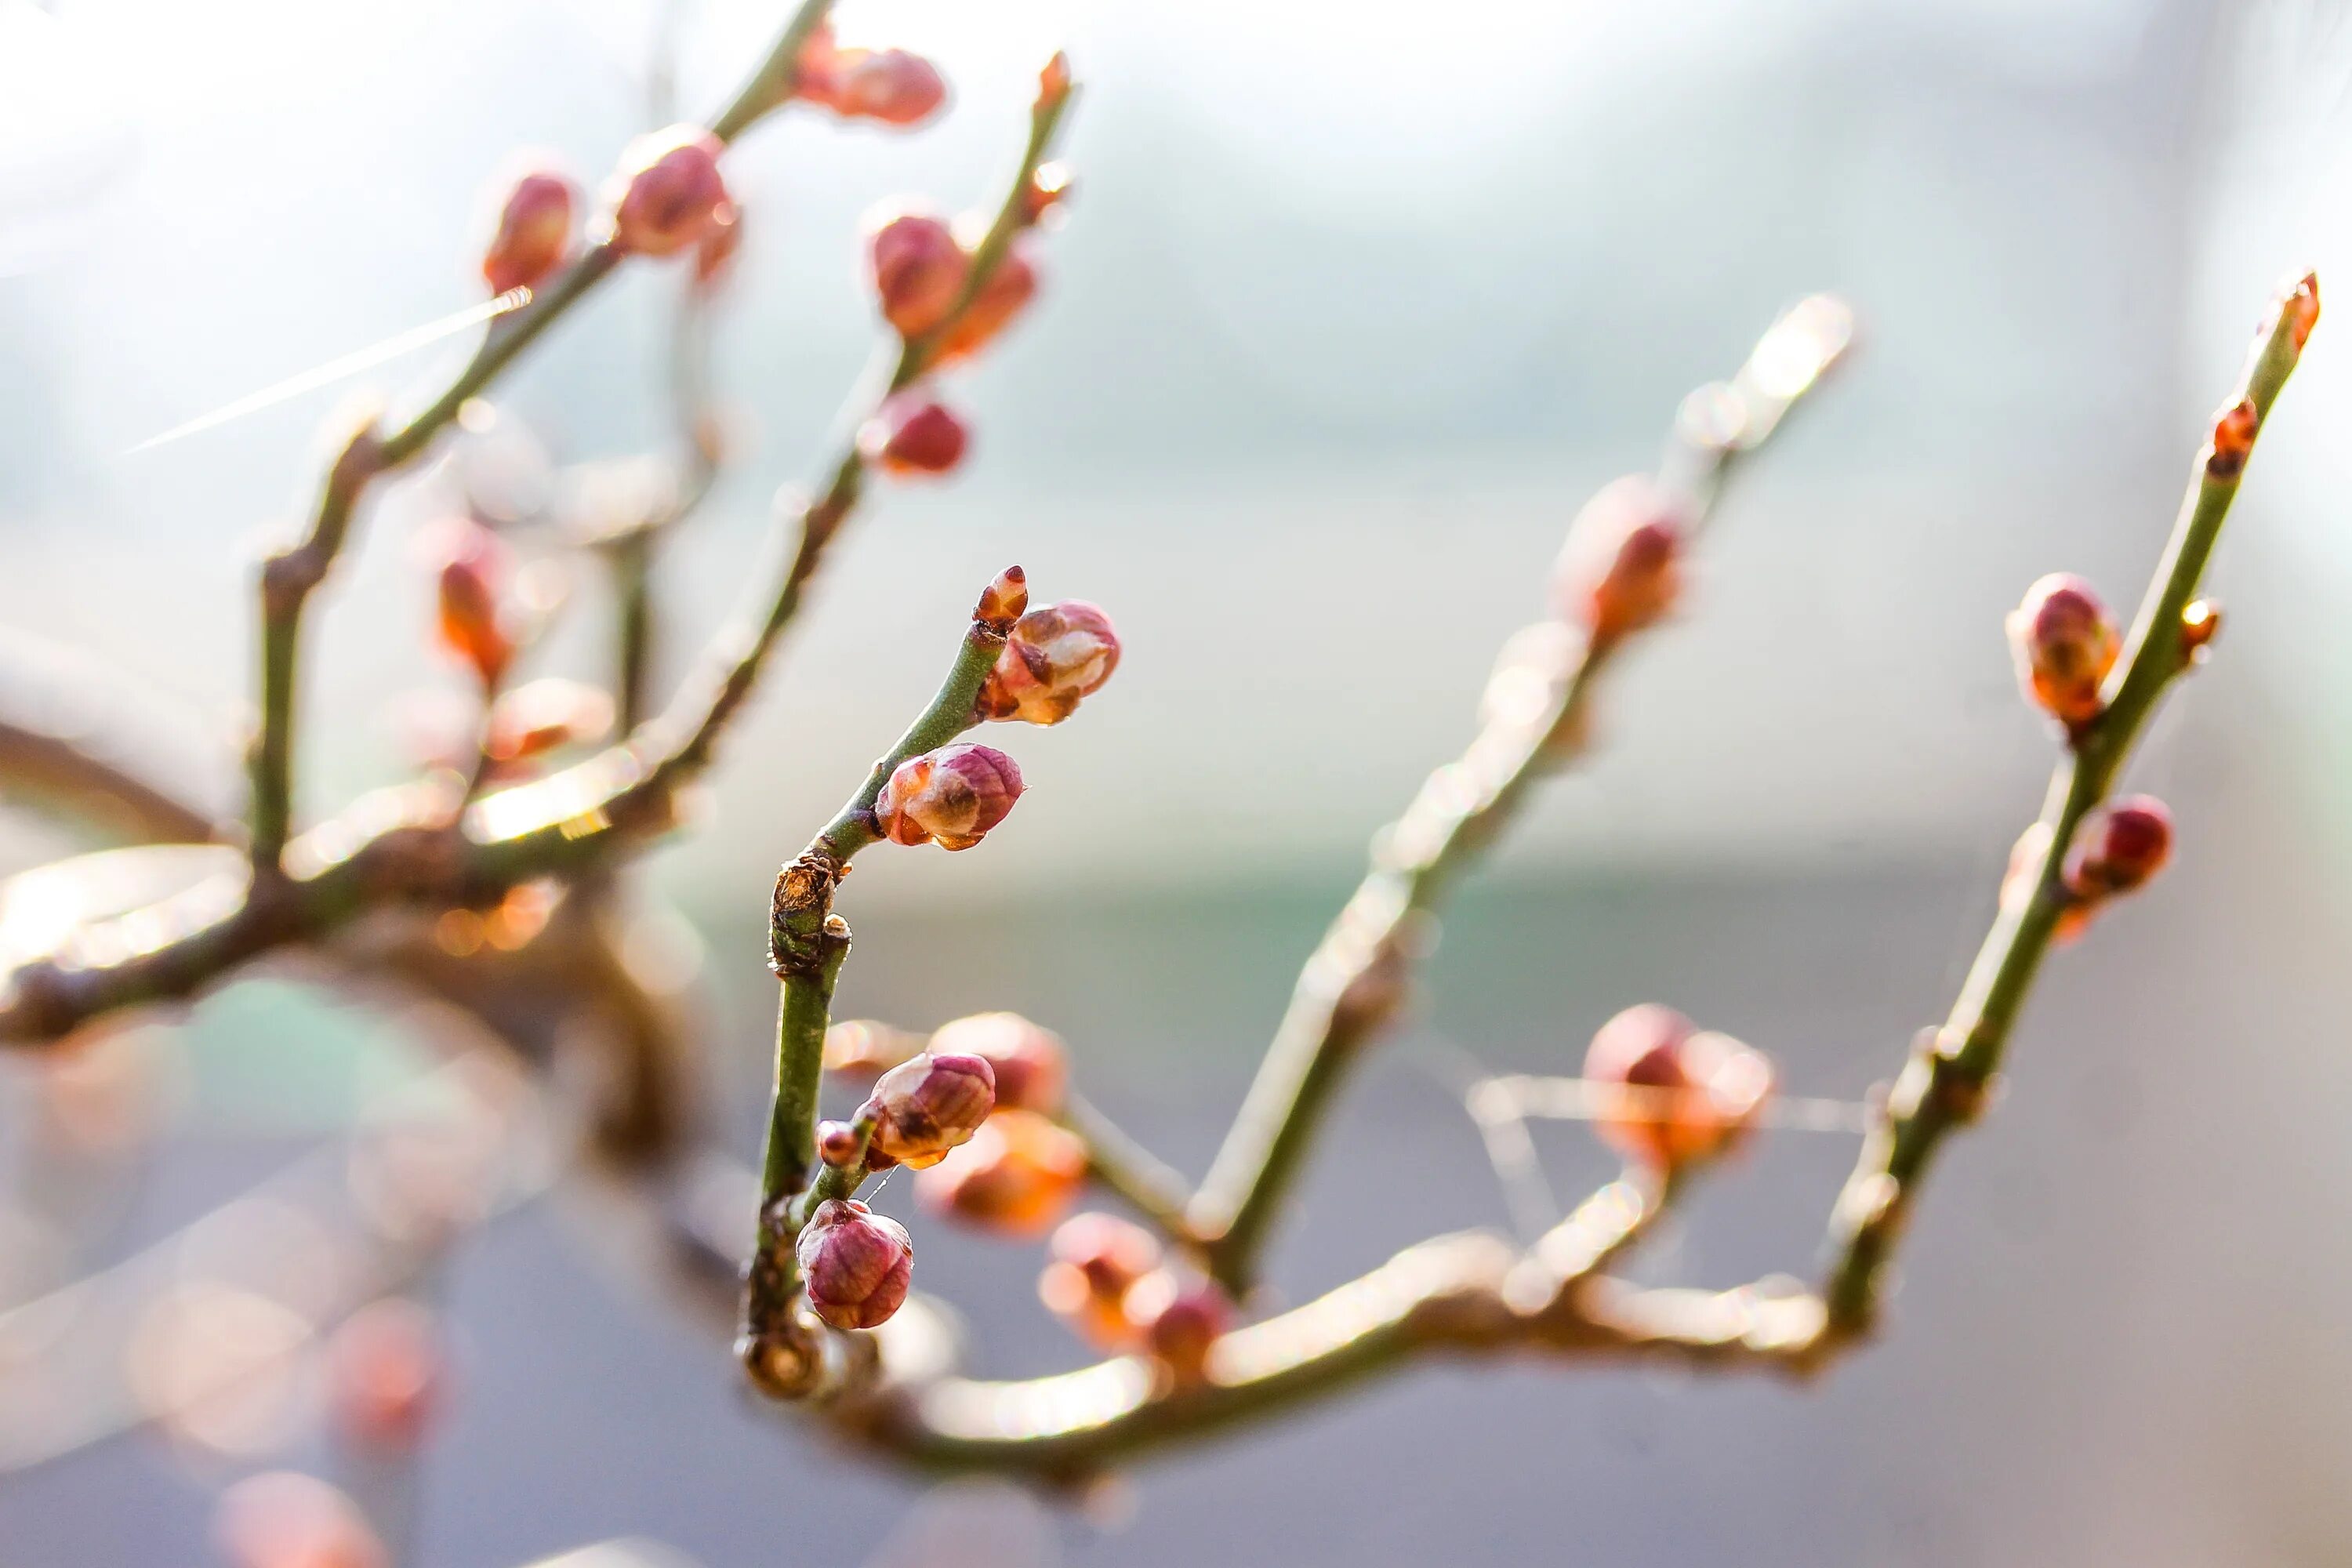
1003 600
1017 1176
2298 302
1002 296
387 1375
668 195
1620 568
2118 846
2065 642
476 569
917 269
533 235
1031 1064
2235 429
913 433
890 87
1056 654
856 1264
837 1142
1672 1096
1096 1259
1181 1323
927 1106
955 795
545 715
1055 81
2200 622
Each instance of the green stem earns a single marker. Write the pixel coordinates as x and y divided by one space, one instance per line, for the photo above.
803 1013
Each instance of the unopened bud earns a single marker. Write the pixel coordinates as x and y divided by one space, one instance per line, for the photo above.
1006 293
927 1106
543 715
283 1519
856 1264
1096 1259
534 232
955 794
1018 1174
1672 1096
913 433
861 1047
2299 302
837 1142
2200 622
1046 194
1031 1064
476 569
668 194
2118 846
1056 654
2065 642
1621 569
892 87
387 1372
918 270
1054 80
1181 1322
1005 599
2235 429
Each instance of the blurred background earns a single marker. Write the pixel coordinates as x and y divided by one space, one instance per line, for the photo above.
1356 304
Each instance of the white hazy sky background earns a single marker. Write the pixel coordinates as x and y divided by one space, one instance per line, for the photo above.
1356 304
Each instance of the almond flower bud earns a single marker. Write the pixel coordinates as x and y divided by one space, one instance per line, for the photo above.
1017 1176
1056 654
1096 1259
668 194
856 1264
955 795
475 568
927 1106
2118 846
1031 1064
2065 642
1181 1323
1620 568
533 235
1004 295
1672 1096
891 86
913 433
917 270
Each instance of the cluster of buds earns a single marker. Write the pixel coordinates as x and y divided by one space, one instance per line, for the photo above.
1018 1176
1029 1063
1621 569
476 572
952 795
2065 642
926 1106
1056 654
889 87
856 1264
669 196
534 231
1673 1096
1105 1277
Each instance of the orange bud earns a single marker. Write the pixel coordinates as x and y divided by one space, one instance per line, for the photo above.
533 236
668 195
1672 1096
2065 642
2200 622
1005 599
916 267
476 569
925 1107
1046 194
1005 294
2300 303
1056 654
2235 429
1181 1323
544 715
285 1520
2118 847
913 433
1018 1174
1031 1064
1621 569
857 1264
387 1372
1096 1259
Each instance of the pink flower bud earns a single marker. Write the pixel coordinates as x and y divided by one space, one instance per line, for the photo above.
543 715
1096 1259
1017 1176
2065 642
1181 1323
387 1372
1620 568
1031 1064
955 795
856 1264
891 86
668 194
837 1142
913 433
1056 654
2118 847
476 569
927 1106
534 233
1005 294
1003 601
917 270
285 1520
1672 1096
